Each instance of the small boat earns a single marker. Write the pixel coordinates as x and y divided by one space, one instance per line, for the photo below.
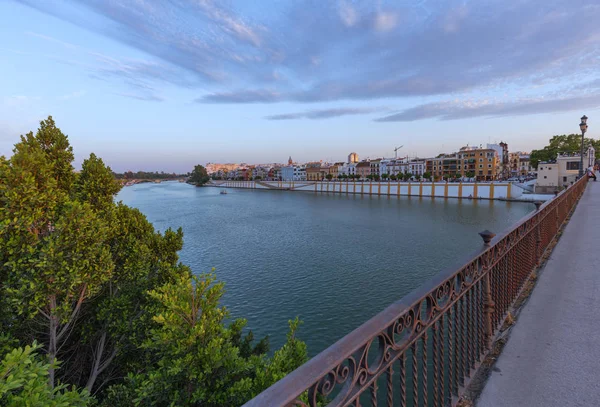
223 192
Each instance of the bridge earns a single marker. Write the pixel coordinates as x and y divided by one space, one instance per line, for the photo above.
436 346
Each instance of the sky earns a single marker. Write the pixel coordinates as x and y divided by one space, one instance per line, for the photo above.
167 84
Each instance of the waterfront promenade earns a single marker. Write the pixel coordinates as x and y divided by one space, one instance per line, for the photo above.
551 358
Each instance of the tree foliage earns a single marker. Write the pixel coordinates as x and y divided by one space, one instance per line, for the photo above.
102 292
565 143
199 176
148 175
24 382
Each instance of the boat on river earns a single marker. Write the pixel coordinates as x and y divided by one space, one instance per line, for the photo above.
223 192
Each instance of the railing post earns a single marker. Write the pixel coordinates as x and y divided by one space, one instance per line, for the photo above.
488 302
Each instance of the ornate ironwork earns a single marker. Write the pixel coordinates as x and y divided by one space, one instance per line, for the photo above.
461 310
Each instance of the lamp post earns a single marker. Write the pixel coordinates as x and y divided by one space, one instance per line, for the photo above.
583 126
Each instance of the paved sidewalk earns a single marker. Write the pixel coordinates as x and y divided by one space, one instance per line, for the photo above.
552 357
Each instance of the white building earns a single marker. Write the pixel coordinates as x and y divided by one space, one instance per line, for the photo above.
395 167
417 167
347 169
563 171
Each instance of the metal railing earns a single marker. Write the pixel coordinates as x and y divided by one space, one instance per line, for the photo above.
424 349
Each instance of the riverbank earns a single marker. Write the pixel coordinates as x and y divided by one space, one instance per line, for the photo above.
494 191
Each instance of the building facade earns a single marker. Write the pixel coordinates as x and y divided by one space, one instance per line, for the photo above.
559 173
483 164
363 169
375 165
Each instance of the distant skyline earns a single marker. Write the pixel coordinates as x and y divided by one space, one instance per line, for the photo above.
164 85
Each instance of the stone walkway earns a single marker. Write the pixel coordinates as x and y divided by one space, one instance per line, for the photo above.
552 357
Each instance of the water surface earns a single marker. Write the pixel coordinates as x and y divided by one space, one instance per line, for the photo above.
333 260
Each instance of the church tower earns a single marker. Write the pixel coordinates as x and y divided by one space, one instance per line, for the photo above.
290 162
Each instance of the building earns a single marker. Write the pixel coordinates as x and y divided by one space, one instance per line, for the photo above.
504 169
483 164
315 172
224 168
287 173
299 173
519 164
363 169
336 169
375 164
292 173
525 167
485 167
417 167
348 169
445 166
513 164
393 167
557 174
274 174
352 158
290 162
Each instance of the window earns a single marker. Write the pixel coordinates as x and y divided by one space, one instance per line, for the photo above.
564 179
480 165
481 160
489 165
545 177
572 165
480 172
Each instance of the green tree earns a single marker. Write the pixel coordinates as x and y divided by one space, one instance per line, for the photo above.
95 184
199 176
385 176
376 177
427 176
199 359
565 143
24 382
393 177
329 177
76 270
407 176
54 252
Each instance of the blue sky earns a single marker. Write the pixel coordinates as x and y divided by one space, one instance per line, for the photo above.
164 85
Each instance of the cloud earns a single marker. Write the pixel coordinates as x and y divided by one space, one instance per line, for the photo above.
462 110
345 50
72 95
326 113
249 96
386 21
149 98
347 14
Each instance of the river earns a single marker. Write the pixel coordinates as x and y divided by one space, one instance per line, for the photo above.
333 260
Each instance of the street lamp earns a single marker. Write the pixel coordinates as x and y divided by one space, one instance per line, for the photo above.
583 127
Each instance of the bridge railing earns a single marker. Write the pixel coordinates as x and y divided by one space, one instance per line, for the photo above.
424 349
